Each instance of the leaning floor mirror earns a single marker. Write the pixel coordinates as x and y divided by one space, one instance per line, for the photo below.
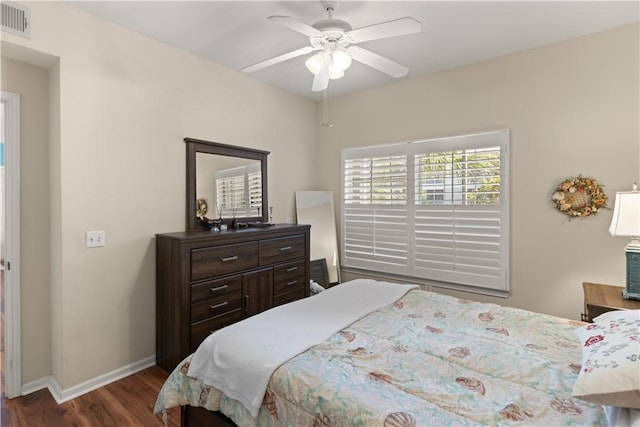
316 208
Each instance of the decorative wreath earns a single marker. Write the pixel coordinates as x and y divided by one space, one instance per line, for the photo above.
579 197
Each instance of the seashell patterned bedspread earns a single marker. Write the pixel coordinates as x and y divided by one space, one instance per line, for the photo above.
428 359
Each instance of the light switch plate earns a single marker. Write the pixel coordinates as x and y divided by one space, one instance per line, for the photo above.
94 239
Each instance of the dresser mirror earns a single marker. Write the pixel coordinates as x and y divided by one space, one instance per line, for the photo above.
225 181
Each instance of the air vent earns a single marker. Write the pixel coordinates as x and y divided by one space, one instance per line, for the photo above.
16 19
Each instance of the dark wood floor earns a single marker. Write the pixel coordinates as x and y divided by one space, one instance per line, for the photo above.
128 402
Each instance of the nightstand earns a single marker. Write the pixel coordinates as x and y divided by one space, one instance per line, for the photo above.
599 299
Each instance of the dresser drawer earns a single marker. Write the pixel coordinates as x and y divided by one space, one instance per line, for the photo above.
216 306
288 277
282 249
201 330
220 260
216 288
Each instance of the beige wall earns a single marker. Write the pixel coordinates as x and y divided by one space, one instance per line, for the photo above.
32 83
572 108
118 164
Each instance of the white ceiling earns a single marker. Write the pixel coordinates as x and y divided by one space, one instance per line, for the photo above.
454 33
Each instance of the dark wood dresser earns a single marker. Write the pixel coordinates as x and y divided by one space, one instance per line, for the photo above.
208 280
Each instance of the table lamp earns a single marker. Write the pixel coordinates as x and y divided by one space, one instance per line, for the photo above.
626 222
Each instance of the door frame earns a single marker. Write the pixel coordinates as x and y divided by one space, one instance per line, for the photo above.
12 345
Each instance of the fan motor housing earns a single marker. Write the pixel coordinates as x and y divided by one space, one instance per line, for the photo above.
332 25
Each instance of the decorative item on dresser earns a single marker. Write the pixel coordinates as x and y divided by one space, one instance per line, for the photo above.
206 281
599 299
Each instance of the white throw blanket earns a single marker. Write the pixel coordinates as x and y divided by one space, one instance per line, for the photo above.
239 359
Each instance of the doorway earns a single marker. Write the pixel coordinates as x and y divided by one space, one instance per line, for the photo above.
10 244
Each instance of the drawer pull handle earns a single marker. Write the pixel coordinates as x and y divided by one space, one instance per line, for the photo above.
289 270
218 288
291 283
222 304
285 249
229 258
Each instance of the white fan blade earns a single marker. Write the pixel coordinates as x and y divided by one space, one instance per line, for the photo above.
397 27
275 60
321 80
295 25
378 62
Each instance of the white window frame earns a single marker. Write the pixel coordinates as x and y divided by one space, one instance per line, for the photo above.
403 223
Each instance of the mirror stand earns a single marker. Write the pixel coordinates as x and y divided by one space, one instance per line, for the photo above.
316 209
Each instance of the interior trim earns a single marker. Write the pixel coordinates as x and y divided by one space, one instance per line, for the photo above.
65 395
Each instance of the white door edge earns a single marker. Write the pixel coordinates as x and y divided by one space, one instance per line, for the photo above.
13 360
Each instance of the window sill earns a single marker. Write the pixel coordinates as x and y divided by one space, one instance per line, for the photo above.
425 284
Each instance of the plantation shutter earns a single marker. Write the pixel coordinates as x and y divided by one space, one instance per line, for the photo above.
239 191
375 210
458 214
254 178
435 210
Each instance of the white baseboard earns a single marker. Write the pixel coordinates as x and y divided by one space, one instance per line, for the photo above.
36 385
62 396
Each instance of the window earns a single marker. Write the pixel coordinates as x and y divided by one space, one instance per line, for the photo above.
435 210
239 191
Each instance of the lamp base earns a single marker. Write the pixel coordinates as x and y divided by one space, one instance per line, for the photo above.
630 295
633 245
632 288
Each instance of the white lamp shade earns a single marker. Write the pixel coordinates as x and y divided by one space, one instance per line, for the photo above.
335 74
315 63
626 214
341 60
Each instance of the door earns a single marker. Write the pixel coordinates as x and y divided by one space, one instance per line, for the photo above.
257 291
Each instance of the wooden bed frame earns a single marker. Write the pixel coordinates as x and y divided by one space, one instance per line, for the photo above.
192 416
319 272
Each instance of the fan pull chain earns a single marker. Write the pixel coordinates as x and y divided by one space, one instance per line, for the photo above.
326 110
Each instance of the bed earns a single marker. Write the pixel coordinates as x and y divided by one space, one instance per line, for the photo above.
417 359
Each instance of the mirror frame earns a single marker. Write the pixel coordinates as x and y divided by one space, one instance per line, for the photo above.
195 146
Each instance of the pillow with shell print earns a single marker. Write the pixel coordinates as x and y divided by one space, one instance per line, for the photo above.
610 373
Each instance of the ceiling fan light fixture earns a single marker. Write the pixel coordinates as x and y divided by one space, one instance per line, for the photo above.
338 60
341 60
315 63
337 44
335 74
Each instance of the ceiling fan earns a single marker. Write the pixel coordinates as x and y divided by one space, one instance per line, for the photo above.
336 43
